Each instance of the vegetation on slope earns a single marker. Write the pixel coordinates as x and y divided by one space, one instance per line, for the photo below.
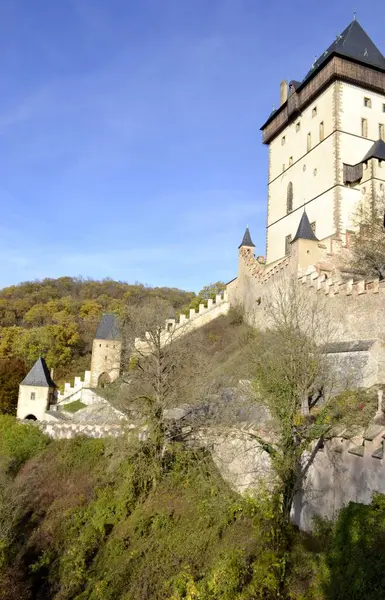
96 519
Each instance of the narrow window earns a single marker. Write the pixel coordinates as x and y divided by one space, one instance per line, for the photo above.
33 396
364 127
105 358
314 112
367 103
312 225
383 108
100 345
283 167
287 244
308 142
321 131
290 161
289 198
283 140
381 130
315 172
106 345
298 126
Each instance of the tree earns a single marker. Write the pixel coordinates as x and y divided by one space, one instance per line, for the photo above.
164 367
367 251
292 378
211 290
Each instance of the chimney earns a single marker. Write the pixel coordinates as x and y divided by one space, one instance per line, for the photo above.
283 92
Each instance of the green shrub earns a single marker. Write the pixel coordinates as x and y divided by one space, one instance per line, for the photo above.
19 442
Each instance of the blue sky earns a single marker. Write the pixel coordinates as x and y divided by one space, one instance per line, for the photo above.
129 130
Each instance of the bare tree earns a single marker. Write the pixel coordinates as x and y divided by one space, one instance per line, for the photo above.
292 378
164 367
367 252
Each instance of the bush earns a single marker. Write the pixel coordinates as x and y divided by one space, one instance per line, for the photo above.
19 442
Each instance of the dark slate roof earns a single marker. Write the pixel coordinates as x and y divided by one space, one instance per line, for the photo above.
353 43
304 231
39 375
108 328
376 151
246 241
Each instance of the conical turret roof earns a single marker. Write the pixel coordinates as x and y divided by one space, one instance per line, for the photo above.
355 44
304 231
108 328
39 375
376 151
246 241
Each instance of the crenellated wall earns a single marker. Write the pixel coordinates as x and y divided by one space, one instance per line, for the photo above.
175 329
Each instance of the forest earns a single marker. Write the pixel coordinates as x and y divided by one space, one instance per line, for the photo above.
57 319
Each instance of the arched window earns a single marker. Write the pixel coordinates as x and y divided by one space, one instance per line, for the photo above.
289 197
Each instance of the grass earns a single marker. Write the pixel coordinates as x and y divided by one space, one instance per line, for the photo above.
73 407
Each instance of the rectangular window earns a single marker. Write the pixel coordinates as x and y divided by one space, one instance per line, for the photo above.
283 140
314 112
312 225
381 131
298 126
33 396
287 244
308 142
321 131
364 128
290 161
367 103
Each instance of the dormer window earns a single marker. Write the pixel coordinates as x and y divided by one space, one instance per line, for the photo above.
367 102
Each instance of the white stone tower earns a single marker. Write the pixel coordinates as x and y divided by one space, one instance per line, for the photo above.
106 351
326 148
36 393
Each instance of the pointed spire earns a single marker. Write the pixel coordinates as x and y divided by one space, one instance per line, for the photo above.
246 241
304 231
39 375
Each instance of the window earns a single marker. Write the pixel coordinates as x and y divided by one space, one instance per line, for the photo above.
383 108
33 396
308 142
381 130
304 168
106 345
100 345
283 167
283 140
314 112
315 172
290 161
289 198
298 126
287 244
105 358
367 103
364 127
312 225
321 131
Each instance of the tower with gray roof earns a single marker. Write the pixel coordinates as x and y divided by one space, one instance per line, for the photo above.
37 392
106 351
326 143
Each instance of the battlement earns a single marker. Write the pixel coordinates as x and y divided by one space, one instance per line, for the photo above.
71 390
176 328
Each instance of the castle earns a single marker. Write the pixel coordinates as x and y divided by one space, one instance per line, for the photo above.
326 154
326 145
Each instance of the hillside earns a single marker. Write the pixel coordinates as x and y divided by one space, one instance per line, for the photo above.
91 519
57 319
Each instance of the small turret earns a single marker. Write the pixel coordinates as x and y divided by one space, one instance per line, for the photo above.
106 351
36 392
246 241
304 245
